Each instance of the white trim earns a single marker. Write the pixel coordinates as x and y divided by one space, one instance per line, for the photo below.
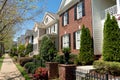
79 10
66 41
77 39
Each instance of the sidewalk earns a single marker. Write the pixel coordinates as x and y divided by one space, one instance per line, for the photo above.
9 70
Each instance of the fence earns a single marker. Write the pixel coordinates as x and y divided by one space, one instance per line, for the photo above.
94 76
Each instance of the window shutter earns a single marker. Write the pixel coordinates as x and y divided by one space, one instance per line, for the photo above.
74 39
75 12
83 8
61 42
63 20
69 40
67 17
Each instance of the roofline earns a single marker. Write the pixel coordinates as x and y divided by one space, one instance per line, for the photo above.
60 11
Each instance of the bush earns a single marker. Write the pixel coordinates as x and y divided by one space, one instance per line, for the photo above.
28 64
15 58
47 49
111 40
86 55
24 60
66 52
112 68
72 58
41 73
30 67
60 59
29 48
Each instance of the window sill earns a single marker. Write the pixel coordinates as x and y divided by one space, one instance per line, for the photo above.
65 25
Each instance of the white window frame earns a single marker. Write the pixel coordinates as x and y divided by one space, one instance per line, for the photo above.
56 28
65 18
79 10
52 29
77 39
66 41
47 31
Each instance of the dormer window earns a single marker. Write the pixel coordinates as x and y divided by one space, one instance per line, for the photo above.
65 19
46 20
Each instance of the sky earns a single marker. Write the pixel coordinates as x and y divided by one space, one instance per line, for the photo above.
50 6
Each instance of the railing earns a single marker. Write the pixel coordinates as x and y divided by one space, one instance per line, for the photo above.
111 10
95 76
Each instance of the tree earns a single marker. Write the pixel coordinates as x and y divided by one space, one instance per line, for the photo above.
86 55
111 41
21 50
29 48
47 49
15 12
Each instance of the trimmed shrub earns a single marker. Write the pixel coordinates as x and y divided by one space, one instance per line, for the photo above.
29 48
111 40
24 60
66 52
47 49
72 58
112 68
86 55
60 59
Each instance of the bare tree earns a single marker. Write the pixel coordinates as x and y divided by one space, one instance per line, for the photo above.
15 12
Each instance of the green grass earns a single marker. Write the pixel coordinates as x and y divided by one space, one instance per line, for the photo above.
1 61
22 70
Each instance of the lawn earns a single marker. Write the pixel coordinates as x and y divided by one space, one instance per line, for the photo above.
1 61
22 70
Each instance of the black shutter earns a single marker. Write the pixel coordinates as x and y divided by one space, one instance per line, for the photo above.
61 42
75 12
83 8
69 40
62 19
74 39
67 17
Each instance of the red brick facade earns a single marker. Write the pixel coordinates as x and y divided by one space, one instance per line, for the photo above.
75 25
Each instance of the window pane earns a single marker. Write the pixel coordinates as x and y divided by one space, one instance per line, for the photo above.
65 41
77 35
65 18
79 10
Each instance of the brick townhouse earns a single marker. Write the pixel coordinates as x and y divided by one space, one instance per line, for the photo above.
92 13
72 15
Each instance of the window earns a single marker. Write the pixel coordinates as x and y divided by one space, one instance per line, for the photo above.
79 10
52 29
77 39
48 31
56 28
46 20
65 19
66 41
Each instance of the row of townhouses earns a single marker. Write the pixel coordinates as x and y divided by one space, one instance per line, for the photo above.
65 26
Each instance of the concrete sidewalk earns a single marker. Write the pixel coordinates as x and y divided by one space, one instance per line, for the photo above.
9 70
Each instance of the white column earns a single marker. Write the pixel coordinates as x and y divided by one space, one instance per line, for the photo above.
118 6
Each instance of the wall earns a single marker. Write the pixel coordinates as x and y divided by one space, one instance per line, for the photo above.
98 7
75 25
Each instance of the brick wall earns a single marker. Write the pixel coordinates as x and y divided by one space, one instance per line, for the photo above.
74 24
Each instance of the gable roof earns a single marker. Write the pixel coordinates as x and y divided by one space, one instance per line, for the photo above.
66 4
52 15
49 19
